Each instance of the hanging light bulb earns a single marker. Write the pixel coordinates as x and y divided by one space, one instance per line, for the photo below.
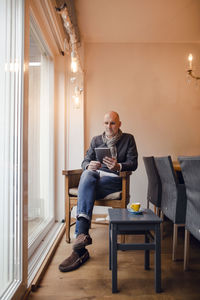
73 79
74 62
77 90
76 102
76 98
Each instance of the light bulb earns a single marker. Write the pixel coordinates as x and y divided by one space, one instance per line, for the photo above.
74 66
73 79
190 58
77 91
74 62
76 102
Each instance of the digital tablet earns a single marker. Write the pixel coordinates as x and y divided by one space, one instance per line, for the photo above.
101 153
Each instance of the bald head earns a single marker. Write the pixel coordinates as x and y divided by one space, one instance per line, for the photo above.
112 123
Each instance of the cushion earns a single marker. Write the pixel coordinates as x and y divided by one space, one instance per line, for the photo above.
116 195
73 192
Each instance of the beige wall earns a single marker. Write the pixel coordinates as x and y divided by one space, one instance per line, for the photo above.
147 85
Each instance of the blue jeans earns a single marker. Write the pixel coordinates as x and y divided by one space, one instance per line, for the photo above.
92 187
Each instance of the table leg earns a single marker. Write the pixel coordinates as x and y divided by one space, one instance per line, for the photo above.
114 258
157 259
146 253
109 246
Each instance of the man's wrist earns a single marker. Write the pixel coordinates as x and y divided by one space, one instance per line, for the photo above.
119 167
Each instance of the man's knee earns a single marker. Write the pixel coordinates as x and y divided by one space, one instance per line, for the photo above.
89 176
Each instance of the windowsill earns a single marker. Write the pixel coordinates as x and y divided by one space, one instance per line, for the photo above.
38 235
41 253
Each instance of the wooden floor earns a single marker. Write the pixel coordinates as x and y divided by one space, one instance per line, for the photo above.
93 279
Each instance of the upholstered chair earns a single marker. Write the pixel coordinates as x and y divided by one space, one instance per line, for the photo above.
173 203
190 167
154 191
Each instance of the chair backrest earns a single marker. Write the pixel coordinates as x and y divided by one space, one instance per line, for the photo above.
173 202
154 192
190 166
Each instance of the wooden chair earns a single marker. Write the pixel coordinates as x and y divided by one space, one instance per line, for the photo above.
114 200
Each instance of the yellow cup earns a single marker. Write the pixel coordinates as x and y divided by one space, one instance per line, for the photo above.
135 206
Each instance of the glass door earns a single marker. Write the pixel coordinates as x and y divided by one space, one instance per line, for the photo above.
40 140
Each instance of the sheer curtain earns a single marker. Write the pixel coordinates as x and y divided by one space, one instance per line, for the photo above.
11 83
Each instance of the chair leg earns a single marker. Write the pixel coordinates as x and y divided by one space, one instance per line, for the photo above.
68 228
67 220
186 250
123 238
175 240
154 209
161 226
147 203
158 211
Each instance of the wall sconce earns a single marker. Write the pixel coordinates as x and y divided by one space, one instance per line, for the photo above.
189 71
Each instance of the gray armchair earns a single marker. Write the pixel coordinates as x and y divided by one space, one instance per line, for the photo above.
173 203
154 192
190 167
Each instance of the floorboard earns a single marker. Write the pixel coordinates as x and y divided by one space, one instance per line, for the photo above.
93 280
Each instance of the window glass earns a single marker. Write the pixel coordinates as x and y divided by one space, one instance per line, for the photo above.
40 141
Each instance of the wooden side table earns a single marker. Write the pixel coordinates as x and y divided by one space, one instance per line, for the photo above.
121 221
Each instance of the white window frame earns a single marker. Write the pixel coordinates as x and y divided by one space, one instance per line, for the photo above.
14 67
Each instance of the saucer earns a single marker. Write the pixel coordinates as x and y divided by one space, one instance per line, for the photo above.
135 212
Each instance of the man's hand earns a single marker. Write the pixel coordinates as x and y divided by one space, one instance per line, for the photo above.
111 163
94 165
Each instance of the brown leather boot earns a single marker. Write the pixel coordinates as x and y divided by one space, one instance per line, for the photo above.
73 262
81 241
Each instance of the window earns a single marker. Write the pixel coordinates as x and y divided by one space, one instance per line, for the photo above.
40 140
29 180
11 87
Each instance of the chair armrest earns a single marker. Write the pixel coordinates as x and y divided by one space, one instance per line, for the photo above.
72 172
125 173
79 171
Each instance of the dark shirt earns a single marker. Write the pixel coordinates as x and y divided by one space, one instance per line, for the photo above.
127 154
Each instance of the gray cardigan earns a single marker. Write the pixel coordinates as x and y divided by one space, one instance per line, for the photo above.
127 154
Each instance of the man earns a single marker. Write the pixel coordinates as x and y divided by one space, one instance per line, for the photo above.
99 180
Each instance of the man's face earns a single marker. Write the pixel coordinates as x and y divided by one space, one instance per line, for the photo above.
111 124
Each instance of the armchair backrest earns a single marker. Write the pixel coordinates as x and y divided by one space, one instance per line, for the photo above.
173 202
154 192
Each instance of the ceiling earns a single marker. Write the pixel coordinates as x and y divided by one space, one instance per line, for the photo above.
138 21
